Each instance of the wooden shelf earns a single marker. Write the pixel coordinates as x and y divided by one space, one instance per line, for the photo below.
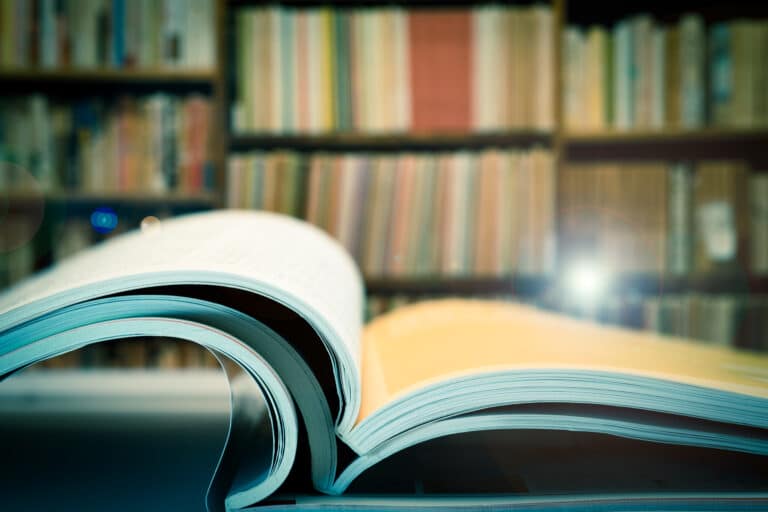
513 285
414 142
641 284
747 143
88 198
108 76
665 135
714 283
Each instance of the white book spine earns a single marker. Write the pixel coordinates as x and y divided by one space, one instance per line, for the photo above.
482 23
402 69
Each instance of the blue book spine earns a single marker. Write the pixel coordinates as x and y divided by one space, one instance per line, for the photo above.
721 72
118 33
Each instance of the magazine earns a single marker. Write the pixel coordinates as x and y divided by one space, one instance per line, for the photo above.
280 303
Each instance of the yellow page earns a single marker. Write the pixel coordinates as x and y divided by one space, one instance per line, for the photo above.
428 342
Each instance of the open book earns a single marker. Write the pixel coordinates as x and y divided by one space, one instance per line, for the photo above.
282 302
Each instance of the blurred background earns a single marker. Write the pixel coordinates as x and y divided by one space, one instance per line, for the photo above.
604 161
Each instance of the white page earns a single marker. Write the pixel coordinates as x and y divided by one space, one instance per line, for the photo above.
273 254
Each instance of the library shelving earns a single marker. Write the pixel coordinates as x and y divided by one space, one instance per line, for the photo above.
670 144
566 144
94 84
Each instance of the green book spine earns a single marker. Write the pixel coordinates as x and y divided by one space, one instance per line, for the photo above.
343 90
608 80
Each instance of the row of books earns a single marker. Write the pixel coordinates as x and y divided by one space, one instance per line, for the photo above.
135 353
642 75
655 217
272 181
152 143
120 34
460 213
393 69
733 320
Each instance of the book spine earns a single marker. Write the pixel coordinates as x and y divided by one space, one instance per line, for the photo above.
721 73
47 33
758 188
641 72
118 33
658 94
623 68
573 90
7 35
692 79
680 224
23 21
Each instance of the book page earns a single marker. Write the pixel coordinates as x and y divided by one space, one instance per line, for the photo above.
275 255
434 341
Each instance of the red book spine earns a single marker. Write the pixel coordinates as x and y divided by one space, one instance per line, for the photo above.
440 43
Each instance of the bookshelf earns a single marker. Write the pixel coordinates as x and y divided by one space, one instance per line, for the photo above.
668 146
66 72
567 145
